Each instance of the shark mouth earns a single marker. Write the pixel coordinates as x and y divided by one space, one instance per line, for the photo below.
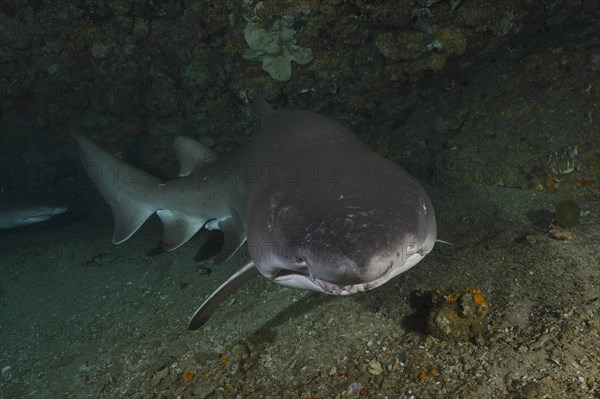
350 289
302 278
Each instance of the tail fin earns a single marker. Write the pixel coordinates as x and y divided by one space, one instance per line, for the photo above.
134 195
124 187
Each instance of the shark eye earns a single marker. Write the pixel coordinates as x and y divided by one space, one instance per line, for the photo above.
297 260
423 205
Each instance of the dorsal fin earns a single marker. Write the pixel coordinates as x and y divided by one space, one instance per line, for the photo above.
192 155
263 109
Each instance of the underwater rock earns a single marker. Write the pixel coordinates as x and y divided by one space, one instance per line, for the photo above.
275 47
566 213
404 47
99 50
414 52
162 98
458 315
141 27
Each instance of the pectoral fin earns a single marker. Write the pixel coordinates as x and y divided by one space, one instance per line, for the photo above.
234 234
231 285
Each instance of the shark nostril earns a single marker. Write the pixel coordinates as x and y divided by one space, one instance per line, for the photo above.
411 248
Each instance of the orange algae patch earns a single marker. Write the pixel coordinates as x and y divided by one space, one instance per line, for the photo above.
188 375
223 360
478 297
480 300
424 373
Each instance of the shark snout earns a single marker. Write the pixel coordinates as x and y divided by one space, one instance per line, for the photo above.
337 273
341 270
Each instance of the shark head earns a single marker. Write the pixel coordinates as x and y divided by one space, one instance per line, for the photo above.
345 239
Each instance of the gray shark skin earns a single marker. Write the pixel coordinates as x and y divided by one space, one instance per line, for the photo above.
319 209
15 214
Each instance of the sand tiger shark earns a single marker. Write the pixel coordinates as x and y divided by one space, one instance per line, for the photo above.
17 213
319 210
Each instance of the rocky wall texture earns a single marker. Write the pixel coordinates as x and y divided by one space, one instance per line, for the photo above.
409 76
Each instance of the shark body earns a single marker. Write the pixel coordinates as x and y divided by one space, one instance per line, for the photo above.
15 214
319 209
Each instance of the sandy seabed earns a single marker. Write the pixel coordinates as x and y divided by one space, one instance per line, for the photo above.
82 318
